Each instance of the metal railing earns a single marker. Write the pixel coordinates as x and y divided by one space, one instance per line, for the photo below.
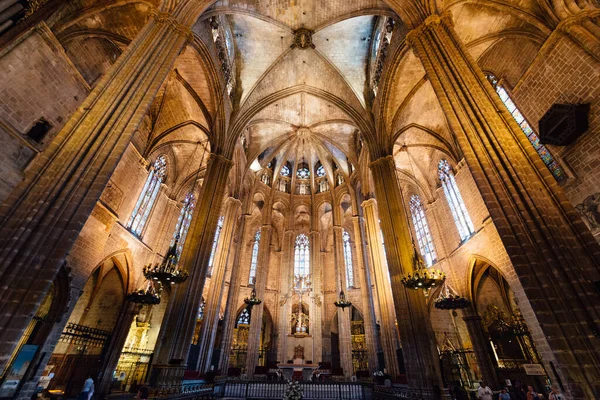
310 390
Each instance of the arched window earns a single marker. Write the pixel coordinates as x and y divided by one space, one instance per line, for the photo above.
215 244
145 202
455 201
285 170
303 171
301 255
320 172
183 223
254 261
422 230
557 171
244 318
348 259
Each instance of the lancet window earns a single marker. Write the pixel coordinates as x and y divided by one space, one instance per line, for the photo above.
147 198
551 163
457 206
301 255
215 244
348 259
254 261
183 223
244 318
422 230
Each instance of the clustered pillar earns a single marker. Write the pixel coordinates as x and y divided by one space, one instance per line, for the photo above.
553 253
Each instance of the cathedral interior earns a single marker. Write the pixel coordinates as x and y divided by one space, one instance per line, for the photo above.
393 196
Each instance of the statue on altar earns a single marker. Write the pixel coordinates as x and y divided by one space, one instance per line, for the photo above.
299 352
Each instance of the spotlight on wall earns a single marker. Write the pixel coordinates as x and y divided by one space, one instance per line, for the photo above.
255 166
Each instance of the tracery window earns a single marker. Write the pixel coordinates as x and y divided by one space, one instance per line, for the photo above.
457 206
422 230
551 163
244 318
301 255
183 223
147 198
254 261
320 171
215 244
285 170
348 259
303 172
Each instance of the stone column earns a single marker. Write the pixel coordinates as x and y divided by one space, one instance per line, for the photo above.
285 304
43 216
264 252
316 305
208 331
233 297
382 287
178 324
554 255
366 293
114 348
481 347
345 339
416 335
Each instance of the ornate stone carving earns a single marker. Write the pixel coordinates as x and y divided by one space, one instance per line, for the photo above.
303 39
590 211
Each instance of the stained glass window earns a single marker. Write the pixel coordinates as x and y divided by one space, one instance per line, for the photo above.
348 259
422 230
551 163
303 172
215 244
244 317
457 206
320 171
254 261
285 171
301 255
183 223
145 202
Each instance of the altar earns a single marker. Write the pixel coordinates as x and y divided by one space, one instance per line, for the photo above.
299 368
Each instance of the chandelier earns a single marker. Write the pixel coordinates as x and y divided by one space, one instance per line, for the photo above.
145 296
450 300
342 302
422 277
168 271
252 300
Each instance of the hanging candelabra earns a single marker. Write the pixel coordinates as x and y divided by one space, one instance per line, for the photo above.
342 302
149 295
448 299
422 278
252 300
168 271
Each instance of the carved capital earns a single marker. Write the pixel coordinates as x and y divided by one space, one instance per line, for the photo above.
177 27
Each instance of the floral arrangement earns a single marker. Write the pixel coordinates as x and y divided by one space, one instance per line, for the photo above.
293 391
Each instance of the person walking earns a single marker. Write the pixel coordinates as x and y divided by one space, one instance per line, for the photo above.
504 394
88 389
555 394
484 392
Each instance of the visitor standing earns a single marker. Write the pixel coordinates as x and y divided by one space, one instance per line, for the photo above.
555 394
504 394
531 394
484 392
88 389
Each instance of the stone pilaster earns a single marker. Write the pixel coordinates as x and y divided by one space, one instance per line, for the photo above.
113 350
366 294
481 347
285 304
382 287
553 253
416 335
233 297
41 219
254 334
208 331
316 305
345 339
180 317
